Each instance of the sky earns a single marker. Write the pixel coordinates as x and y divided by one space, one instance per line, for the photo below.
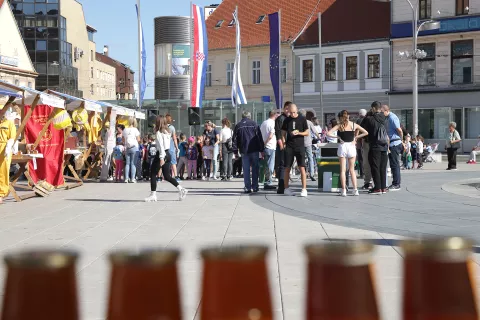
116 22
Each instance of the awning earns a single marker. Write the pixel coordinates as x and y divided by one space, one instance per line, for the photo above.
9 93
28 95
120 111
74 102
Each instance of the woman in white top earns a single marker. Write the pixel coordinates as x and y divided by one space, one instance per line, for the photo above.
131 138
226 152
162 160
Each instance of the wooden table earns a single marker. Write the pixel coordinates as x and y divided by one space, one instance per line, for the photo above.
76 180
22 160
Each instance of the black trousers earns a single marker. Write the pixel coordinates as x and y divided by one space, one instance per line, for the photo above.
452 158
280 167
360 160
166 170
378 164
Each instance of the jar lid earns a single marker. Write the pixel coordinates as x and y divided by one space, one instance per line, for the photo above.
252 252
437 246
348 252
48 259
154 257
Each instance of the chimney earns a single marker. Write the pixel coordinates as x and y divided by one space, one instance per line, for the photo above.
105 50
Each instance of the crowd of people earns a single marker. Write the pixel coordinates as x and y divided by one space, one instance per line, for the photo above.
283 141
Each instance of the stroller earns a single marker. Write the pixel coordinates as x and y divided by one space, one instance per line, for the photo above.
427 155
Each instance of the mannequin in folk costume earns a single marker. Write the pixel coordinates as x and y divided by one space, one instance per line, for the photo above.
7 140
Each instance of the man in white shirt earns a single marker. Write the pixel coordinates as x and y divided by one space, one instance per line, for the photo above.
268 134
475 152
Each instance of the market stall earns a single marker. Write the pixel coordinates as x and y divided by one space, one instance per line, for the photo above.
39 142
83 143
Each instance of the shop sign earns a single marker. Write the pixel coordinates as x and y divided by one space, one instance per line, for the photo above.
9 61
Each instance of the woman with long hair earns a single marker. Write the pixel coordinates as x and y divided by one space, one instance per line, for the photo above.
348 133
226 151
131 139
162 160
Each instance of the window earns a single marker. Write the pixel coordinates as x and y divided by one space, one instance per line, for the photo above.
425 7
283 70
260 19
29 85
462 62
219 24
426 66
91 89
472 119
373 66
91 55
41 45
208 79
462 7
17 83
307 70
91 72
330 69
232 23
352 67
255 72
40 9
230 66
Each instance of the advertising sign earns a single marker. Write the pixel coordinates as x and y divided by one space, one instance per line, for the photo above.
181 59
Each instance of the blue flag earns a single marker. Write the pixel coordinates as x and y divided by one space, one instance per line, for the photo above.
274 20
142 81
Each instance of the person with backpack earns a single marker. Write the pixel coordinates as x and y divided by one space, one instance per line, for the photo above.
118 156
226 150
376 125
268 134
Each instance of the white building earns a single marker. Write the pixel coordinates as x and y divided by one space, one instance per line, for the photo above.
448 77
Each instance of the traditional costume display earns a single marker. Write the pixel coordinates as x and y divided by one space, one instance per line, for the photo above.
7 140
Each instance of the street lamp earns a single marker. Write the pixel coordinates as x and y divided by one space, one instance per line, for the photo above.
417 54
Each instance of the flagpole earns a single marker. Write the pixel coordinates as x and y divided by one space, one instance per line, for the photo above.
280 95
139 55
322 72
192 54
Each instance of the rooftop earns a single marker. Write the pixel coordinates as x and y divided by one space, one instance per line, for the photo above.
296 15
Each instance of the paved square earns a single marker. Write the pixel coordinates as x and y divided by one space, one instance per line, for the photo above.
97 218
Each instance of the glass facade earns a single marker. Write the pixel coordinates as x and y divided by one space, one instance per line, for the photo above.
44 32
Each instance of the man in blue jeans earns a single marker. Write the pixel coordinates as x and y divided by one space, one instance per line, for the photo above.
268 135
248 139
395 134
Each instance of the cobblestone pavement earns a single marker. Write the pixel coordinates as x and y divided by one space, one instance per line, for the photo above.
96 218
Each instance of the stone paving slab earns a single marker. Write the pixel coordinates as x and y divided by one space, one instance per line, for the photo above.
97 218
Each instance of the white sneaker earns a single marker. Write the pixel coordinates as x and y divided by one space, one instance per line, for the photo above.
110 179
343 193
133 181
355 193
303 193
126 181
152 197
182 193
288 192
215 178
203 178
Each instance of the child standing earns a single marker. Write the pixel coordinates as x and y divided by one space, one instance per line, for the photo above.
407 156
413 151
207 157
192 156
420 146
118 157
199 146
182 155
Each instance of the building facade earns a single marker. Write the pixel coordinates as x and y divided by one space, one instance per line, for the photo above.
124 76
448 76
15 64
354 67
255 56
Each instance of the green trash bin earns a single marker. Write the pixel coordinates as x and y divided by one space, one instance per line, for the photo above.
329 165
263 168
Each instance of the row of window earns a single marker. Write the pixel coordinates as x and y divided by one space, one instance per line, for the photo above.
462 7
461 63
104 92
105 76
39 9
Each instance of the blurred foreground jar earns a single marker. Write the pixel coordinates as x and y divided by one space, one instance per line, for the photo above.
144 285
340 281
40 285
439 280
235 284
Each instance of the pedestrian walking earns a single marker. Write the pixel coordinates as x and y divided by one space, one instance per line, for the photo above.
131 139
347 133
452 145
268 135
395 134
162 160
376 125
294 131
226 150
248 139
280 152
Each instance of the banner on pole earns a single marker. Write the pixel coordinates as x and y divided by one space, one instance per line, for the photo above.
238 94
274 20
200 56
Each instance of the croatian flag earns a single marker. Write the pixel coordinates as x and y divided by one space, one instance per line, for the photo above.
238 94
200 56
274 20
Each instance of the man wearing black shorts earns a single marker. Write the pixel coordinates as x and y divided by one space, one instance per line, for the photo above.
280 152
294 131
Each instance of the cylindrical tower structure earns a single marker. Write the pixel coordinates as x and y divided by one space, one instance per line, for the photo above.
172 58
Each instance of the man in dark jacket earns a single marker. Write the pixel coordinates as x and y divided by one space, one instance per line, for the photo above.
374 123
248 139
280 152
